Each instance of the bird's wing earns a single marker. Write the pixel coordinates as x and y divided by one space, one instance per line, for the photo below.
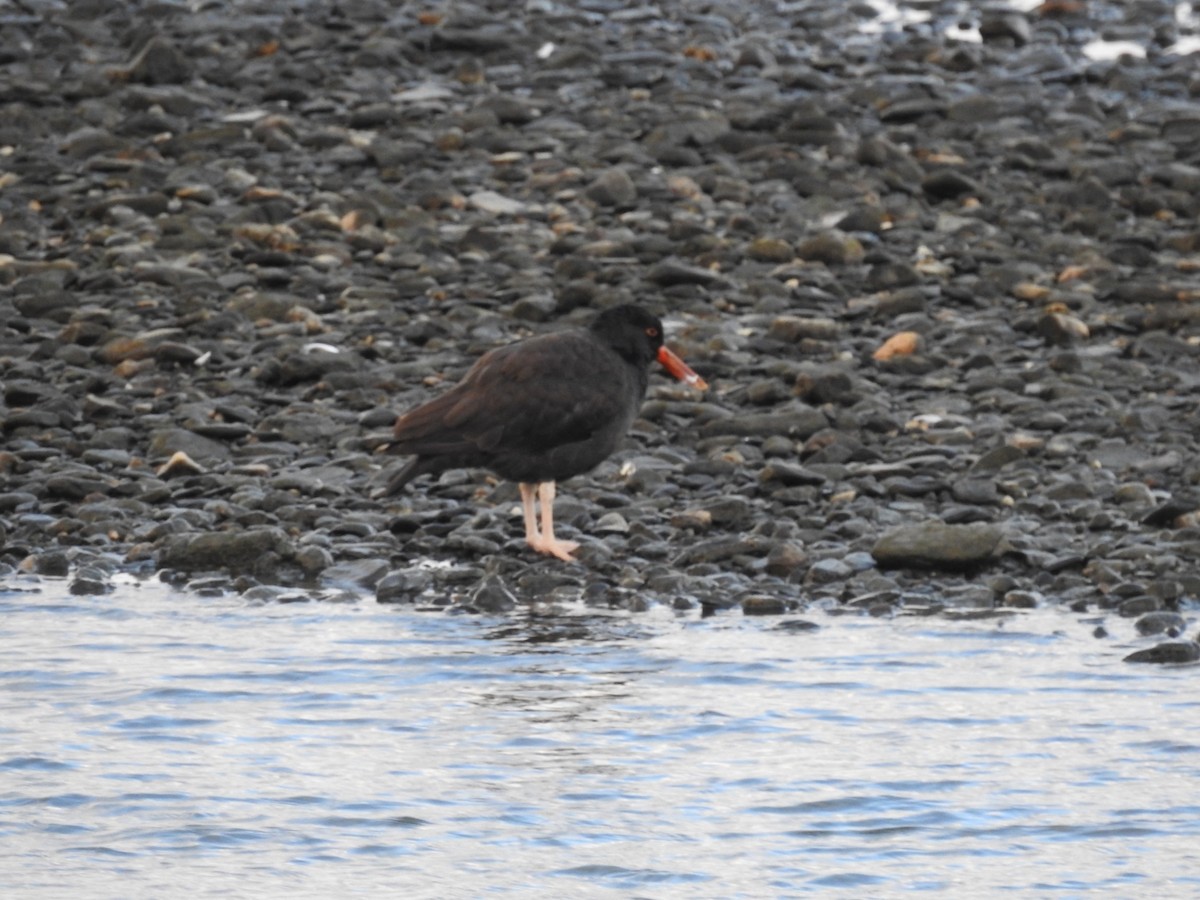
541 393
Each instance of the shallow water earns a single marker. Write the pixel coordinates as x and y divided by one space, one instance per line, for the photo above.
154 743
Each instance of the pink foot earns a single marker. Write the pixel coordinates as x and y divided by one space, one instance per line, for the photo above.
555 547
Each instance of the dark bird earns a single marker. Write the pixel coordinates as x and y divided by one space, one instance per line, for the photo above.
541 410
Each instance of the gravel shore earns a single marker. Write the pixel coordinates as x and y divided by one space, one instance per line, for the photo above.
940 271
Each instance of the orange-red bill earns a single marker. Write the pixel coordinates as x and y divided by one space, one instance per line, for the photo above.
680 369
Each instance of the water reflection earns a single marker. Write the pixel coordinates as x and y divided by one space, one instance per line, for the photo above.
958 22
154 741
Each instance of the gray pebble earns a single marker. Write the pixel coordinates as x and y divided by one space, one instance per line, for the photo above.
1161 622
1171 652
937 545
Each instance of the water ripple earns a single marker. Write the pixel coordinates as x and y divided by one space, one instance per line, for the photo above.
378 750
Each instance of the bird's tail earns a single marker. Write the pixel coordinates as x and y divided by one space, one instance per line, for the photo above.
410 471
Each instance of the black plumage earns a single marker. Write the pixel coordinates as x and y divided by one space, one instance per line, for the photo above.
541 410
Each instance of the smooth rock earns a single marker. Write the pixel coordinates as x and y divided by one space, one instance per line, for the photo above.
940 546
1161 622
233 550
1171 652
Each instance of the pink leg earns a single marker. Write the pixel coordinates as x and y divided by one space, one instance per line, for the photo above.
544 540
529 505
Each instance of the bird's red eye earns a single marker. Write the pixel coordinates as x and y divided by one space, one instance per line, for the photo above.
651 331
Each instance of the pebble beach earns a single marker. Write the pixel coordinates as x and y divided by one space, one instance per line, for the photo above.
938 262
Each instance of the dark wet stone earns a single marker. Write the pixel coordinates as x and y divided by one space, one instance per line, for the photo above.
981 491
915 486
912 109
947 184
153 203
867 217
486 38
890 276
305 366
300 427
1000 25
800 422
796 626
1167 515
33 418
222 431
790 475
75 487
728 511
975 109
475 545
764 606
785 558
1161 622
177 353
997 458
826 571
765 393
54 563
717 549
1167 653
1019 599
493 595
89 582
11 501
403 586
831 248
798 328
22 392
1069 490
1138 606
768 249
313 560
939 546
1182 129
1064 562
233 550
612 188
89 141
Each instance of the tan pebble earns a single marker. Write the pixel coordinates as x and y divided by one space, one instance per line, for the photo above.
1030 292
905 343
179 464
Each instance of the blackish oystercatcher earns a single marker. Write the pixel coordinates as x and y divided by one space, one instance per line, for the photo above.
541 410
